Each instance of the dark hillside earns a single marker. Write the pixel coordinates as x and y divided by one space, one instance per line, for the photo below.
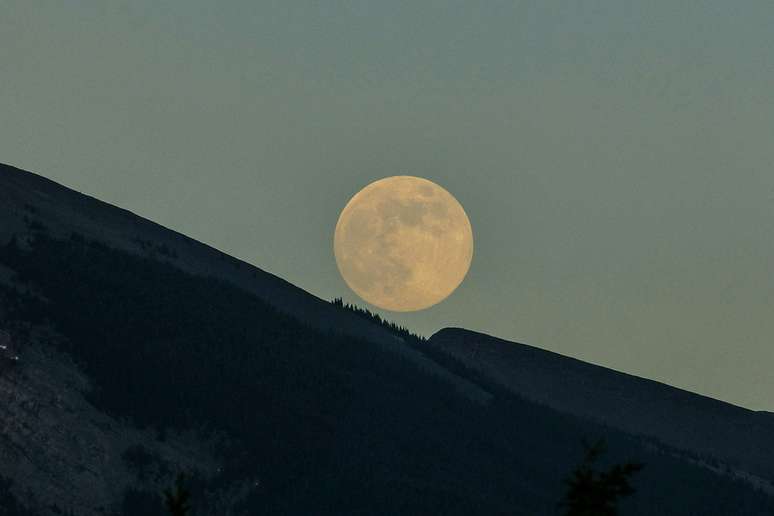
325 423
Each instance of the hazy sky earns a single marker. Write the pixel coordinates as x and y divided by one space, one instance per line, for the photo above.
616 158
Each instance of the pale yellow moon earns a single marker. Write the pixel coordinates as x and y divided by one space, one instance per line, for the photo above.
403 243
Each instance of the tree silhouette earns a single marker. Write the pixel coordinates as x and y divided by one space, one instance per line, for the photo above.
591 492
365 313
176 501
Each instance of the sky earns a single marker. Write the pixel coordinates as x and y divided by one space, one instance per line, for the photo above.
614 157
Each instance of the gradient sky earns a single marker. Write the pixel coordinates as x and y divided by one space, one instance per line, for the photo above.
616 158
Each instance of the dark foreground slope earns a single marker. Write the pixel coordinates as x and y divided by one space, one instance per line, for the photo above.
133 368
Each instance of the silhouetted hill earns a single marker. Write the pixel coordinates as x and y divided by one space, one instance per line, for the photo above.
144 353
29 201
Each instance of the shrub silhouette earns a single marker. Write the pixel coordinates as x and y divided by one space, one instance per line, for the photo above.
591 492
176 500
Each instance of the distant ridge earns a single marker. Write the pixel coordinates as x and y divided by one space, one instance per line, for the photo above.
636 405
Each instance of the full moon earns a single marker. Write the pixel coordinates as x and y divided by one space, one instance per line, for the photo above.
403 243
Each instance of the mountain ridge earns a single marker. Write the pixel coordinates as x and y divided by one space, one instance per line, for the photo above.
25 196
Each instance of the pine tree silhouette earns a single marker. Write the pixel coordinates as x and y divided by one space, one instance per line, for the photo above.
596 493
176 501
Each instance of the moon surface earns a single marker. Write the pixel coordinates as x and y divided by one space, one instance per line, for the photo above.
403 243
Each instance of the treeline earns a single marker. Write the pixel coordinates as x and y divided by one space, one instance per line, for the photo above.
365 313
